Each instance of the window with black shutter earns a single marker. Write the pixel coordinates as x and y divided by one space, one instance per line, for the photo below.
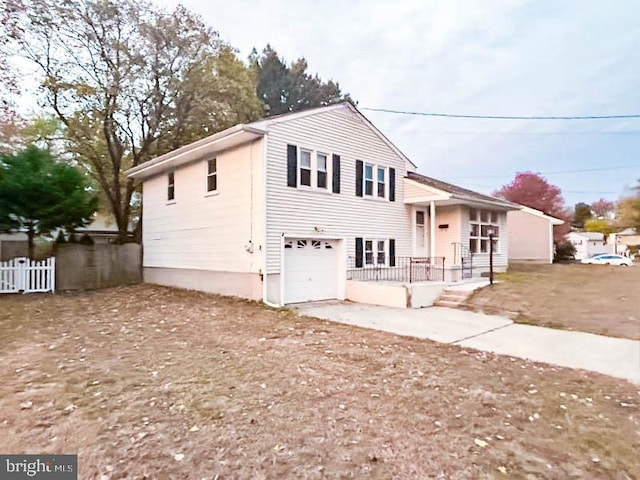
392 184
359 252
359 177
336 173
292 166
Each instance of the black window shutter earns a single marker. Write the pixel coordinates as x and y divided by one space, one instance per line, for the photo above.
392 252
392 184
292 166
336 173
359 252
359 174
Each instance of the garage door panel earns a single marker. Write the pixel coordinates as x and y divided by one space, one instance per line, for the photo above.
311 270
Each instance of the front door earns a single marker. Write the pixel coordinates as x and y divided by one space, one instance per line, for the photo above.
420 225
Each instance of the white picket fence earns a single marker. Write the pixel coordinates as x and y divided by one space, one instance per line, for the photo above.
21 275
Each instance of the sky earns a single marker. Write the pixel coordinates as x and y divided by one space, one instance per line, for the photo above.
494 57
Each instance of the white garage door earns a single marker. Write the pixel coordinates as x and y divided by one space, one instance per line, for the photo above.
311 270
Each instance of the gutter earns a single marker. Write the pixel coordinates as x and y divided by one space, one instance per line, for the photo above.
192 148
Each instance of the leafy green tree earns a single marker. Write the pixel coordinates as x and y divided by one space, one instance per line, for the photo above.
130 81
581 213
39 194
291 88
601 225
628 212
16 133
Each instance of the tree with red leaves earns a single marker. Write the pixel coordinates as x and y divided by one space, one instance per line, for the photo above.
603 208
532 190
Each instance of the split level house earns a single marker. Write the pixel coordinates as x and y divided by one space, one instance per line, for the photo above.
308 206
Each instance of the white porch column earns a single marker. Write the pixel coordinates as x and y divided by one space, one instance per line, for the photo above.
432 229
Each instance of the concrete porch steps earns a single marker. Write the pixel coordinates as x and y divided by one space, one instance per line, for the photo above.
452 298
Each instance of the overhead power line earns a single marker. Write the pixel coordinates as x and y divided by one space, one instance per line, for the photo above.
503 117
555 172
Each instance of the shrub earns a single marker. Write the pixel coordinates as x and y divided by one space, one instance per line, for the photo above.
86 240
564 251
60 238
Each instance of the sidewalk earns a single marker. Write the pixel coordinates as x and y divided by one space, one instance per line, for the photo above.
616 357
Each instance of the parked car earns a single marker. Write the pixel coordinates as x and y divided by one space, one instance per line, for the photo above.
609 259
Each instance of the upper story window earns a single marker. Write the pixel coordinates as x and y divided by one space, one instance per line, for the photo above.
305 168
313 170
483 223
171 186
321 160
212 175
368 179
375 181
381 176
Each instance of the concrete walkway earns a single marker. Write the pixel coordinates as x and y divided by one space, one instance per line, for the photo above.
616 357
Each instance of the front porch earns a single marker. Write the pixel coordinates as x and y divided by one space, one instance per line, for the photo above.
405 294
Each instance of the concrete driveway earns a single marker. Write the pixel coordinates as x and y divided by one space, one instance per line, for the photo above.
616 357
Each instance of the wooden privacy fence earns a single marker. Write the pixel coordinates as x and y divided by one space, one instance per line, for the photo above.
22 275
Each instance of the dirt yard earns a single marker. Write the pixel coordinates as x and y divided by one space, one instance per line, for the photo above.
589 298
153 383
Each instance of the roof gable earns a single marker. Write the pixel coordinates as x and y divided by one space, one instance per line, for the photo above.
538 213
264 124
460 193
243 133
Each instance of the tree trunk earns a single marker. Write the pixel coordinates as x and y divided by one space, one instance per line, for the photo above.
31 236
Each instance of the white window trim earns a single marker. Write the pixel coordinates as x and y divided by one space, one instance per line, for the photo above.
301 168
172 175
384 181
208 192
374 176
479 237
328 185
313 166
375 251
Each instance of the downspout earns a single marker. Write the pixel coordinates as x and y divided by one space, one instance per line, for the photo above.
265 296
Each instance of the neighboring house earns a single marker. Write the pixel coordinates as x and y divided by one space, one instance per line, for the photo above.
303 206
13 245
589 244
531 235
623 240
102 229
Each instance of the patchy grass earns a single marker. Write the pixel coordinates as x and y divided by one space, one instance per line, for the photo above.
151 382
590 298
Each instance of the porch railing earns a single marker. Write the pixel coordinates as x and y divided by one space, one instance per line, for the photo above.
403 269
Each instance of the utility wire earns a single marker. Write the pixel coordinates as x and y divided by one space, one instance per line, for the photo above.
580 170
502 117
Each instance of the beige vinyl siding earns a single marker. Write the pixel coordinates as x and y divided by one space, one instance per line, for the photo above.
530 237
296 212
501 257
207 231
445 238
413 191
